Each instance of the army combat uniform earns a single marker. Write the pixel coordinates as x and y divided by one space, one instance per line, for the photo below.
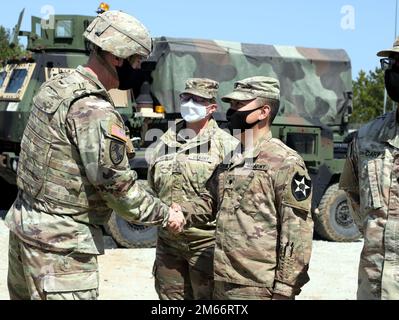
370 178
73 171
264 226
181 166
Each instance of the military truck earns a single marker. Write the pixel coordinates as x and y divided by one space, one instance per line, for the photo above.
316 90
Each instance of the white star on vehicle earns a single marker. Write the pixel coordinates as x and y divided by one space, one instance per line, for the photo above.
300 186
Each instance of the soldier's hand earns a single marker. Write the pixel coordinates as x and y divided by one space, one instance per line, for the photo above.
176 220
176 206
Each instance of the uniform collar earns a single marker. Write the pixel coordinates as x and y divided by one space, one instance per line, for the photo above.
171 137
239 157
254 153
82 70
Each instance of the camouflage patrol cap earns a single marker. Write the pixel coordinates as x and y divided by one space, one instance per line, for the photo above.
254 87
202 87
120 34
389 52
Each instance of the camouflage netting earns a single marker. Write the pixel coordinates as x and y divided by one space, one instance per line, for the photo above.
313 81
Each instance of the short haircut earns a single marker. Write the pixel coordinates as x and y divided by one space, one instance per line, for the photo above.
274 106
93 48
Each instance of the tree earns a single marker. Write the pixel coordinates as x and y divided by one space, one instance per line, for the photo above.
8 51
368 96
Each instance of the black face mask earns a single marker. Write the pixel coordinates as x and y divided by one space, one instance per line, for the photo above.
237 119
392 83
125 76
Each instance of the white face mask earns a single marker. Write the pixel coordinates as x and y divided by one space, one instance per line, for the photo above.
192 111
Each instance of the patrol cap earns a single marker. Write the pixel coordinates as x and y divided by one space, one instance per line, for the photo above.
389 52
254 87
120 34
201 87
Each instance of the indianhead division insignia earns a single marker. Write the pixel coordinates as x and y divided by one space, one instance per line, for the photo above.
116 152
301 187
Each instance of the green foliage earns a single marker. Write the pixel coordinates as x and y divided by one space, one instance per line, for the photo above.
368 96
7 51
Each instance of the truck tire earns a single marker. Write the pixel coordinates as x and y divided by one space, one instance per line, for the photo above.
334 221
131 235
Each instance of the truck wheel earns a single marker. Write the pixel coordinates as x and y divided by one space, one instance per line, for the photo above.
334 221
130 235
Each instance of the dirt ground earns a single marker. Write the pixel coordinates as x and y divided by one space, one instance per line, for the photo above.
125 274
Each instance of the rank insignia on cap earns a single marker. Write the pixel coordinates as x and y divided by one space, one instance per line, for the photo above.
118 132
116 152
301 187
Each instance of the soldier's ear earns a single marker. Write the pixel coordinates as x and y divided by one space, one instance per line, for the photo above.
212 108
265 112
116 61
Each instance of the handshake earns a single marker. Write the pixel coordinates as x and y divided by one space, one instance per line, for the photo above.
176 220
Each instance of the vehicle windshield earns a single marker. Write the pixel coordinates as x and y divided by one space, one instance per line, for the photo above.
63 29
3 75
302 142
16 81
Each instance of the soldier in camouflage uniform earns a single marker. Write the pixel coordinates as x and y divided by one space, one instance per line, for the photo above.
74 170
264 226
370 179
182 163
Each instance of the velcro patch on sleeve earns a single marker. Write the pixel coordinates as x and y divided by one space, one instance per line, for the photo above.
118 132
301 187
298 190
117 151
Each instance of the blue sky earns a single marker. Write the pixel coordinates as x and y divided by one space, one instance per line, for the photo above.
361 27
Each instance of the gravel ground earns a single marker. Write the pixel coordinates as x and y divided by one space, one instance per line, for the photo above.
126 273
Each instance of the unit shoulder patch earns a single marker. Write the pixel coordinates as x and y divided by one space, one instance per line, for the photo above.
301 187
116 151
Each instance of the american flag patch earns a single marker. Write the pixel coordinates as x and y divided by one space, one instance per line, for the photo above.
118 132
